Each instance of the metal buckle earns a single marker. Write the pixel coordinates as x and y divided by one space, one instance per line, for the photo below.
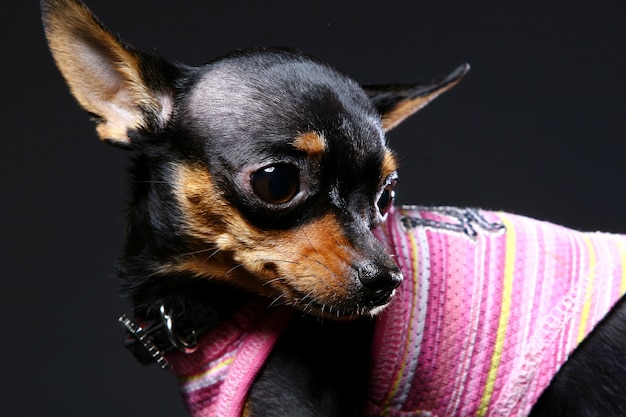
151 340
179 342
146 341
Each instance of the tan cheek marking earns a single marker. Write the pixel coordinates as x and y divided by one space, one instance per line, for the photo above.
210 223
221 268
312 261
205 211
309 263
314 144
390 164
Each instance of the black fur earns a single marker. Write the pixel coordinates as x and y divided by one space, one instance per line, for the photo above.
592 383
316 370
240 113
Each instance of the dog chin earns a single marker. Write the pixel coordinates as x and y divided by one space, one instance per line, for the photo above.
375 311
378 310
343 313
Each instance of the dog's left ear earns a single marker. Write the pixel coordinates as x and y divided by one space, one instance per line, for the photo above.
124 89
397 102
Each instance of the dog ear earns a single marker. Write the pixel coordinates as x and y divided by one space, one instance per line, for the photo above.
123 88
397 102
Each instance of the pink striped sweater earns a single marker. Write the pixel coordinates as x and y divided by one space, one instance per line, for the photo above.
491 306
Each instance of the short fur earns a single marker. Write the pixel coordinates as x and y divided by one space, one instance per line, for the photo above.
264 172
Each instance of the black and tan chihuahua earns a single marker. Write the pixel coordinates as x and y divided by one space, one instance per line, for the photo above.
263 172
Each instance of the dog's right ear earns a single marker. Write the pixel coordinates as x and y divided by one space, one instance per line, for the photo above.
124 89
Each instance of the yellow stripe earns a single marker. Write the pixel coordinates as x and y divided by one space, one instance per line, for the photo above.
215 368
584 318
505 310
398 378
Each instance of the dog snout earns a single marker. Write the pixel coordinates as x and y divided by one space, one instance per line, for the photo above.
379 282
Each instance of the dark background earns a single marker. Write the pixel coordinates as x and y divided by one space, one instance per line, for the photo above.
538 127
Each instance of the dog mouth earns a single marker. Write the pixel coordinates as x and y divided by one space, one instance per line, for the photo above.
358 304
362 287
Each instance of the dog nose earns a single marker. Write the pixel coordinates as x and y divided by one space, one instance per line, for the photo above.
379 283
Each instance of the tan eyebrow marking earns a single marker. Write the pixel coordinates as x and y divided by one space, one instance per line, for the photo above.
312 143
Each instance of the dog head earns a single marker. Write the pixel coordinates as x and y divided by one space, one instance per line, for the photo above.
265 169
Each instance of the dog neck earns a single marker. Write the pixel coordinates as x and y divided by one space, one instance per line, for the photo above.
215 378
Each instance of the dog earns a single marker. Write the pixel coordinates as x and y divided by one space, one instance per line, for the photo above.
266 263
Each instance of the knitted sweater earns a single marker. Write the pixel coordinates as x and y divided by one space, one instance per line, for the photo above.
490 308
214 379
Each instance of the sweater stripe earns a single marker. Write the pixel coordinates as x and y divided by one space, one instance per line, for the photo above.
509 269
419 259
622 251
591 277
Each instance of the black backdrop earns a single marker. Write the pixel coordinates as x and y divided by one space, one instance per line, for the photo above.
538 128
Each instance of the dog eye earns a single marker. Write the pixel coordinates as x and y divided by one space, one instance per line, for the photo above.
276 184
385 201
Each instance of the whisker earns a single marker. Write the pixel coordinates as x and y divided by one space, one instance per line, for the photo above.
282 278
271 281
277 260
276 300
306 297
296 262
233 268
289 262
315 250
309 240
215 251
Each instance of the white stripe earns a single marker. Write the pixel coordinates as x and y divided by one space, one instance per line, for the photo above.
419 303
